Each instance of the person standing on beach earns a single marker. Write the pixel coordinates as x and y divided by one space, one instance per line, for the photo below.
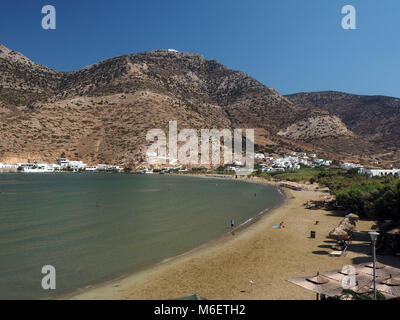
232 224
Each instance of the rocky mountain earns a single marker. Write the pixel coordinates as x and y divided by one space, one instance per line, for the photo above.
23 81
101 113
374 119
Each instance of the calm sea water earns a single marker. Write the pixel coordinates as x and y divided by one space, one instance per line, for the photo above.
93 227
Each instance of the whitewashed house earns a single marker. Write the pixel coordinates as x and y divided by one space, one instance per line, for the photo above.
108 167
379 172
36 167
322 162
348 165
8 166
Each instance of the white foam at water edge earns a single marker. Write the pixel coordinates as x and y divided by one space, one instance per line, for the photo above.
250 219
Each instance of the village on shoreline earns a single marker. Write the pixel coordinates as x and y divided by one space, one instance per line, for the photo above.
62 165
263 164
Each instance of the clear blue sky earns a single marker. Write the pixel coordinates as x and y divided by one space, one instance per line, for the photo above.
290 45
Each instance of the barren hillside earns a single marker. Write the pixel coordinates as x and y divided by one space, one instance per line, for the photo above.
102 112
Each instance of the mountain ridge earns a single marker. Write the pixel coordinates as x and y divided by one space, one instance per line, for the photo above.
101 113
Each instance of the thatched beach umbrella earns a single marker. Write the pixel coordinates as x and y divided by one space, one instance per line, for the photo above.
330 283
370 265
319 285
392 281
383 272
343 231
317 279
390 286
352 217
347 225
339 234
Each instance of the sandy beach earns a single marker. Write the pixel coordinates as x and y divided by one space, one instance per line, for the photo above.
254 263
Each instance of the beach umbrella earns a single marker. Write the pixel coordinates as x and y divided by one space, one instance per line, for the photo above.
348 221
383 272
346 225
339 234
317 279
390 286
362 283
319 285
394 231
394 282
370 265
330 283
352 217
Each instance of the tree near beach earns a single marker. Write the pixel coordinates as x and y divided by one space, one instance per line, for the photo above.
376 198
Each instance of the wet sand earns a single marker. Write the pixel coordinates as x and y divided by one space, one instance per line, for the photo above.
252 264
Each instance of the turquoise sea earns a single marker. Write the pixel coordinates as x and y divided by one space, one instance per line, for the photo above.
94 227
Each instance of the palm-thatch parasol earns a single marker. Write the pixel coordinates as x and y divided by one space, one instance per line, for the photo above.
330 283
318 284
345 228
347 225
352 217
391 286
339 234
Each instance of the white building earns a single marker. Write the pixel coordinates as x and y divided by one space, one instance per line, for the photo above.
304 162
36 167
75 165
348 165
322 162
8 166
379 172
108 167
289 163
270 169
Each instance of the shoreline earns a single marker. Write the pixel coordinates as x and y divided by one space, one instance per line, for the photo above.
241 266
159 262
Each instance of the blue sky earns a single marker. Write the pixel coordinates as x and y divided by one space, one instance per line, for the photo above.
290 45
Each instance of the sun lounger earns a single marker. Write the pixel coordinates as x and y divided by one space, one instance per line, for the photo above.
336 253
339 253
